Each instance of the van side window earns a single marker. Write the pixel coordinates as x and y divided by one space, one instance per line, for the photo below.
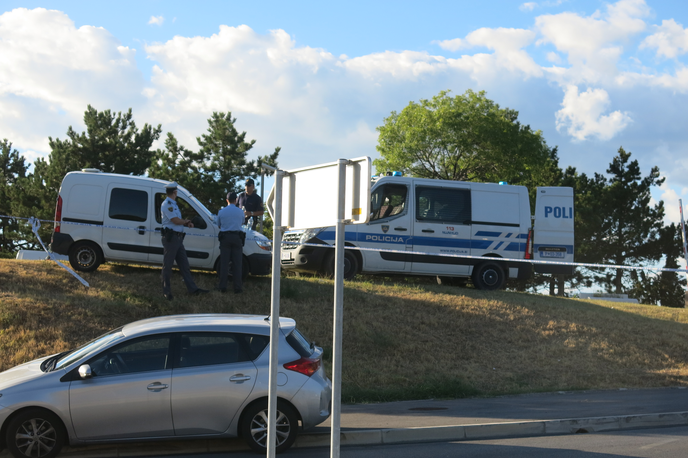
387 201
187 210
443 205
128 204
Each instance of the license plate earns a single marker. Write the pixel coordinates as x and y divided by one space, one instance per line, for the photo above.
286 255
552 254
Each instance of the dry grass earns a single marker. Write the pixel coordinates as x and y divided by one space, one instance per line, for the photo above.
402 340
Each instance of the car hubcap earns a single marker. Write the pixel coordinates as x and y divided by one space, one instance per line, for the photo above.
36 438
259 428
85 257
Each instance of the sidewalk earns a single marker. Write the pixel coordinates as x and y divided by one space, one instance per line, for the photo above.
460 419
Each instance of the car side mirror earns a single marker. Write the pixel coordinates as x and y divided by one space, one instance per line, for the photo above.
85 371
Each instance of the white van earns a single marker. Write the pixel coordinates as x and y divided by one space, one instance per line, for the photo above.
102 217
446 229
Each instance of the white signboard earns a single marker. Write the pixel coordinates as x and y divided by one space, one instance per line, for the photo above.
309 195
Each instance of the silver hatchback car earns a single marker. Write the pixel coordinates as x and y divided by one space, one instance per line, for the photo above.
173 377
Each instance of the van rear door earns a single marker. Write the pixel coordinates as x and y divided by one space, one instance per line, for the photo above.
127 221
553 229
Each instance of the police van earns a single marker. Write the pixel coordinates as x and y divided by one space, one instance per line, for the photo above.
481 231
102 217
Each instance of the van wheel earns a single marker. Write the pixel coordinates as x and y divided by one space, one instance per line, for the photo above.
85 256
35 433
351 265
254 426
489 276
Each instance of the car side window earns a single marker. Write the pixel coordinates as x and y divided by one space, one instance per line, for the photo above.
150 353
128 204
388 201
443 205
207 348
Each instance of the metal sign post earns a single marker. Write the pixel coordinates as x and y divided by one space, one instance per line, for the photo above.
683 235
274 318
338 320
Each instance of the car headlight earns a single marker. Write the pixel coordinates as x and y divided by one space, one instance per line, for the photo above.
310 233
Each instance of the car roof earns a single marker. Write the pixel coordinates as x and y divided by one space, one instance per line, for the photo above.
253 324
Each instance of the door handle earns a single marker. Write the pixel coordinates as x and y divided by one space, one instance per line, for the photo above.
239 378
428 230
157 386
158 229
400 229
142 230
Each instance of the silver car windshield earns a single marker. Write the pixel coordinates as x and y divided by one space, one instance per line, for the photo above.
91 347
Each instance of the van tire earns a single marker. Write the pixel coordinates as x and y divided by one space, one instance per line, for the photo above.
351 265
488 276
85 256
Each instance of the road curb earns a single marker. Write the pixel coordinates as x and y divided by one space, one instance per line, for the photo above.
387 436
496 430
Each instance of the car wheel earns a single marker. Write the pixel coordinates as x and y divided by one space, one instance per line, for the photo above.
35 433
351 265
254 427
488 276
85 256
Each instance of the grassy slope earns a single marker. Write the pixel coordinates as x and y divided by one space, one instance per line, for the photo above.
401 340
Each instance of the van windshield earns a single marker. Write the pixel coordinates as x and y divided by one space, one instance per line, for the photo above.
193 199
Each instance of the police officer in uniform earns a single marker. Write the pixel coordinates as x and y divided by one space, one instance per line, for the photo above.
173 244
231 238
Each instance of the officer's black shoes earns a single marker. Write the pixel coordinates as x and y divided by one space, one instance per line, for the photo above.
168 296
222 290
200 291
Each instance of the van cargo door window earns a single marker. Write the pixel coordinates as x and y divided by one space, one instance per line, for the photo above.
443 205
387 201
128 205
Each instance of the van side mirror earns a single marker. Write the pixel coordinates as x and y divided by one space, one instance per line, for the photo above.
85 371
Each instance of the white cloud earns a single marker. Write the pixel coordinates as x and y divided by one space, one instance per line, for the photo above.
52 70
670 40
593 44
581 115
451 45
156 20
528 6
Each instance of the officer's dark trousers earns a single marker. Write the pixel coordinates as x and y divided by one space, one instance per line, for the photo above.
174 251
230 250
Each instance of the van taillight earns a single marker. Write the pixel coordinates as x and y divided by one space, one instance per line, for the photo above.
58 213
529 245
305 366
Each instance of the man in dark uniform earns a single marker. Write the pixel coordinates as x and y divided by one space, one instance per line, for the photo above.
251 203
229 220
173 244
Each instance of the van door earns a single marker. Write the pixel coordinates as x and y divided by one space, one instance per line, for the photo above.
389 229
441 228
200 242
128 219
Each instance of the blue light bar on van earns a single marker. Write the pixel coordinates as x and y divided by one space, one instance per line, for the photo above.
397 174
503 182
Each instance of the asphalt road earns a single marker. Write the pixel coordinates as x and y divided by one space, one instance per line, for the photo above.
645 443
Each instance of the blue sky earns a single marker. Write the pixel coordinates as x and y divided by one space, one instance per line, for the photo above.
317 79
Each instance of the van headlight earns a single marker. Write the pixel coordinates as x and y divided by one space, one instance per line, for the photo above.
264 245
310 233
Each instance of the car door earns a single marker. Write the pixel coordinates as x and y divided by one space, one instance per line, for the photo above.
388 231
441 230
211 380
200 242
128 395
127 222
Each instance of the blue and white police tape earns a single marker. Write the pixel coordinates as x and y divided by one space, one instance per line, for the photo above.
126 228
35 225
405 252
